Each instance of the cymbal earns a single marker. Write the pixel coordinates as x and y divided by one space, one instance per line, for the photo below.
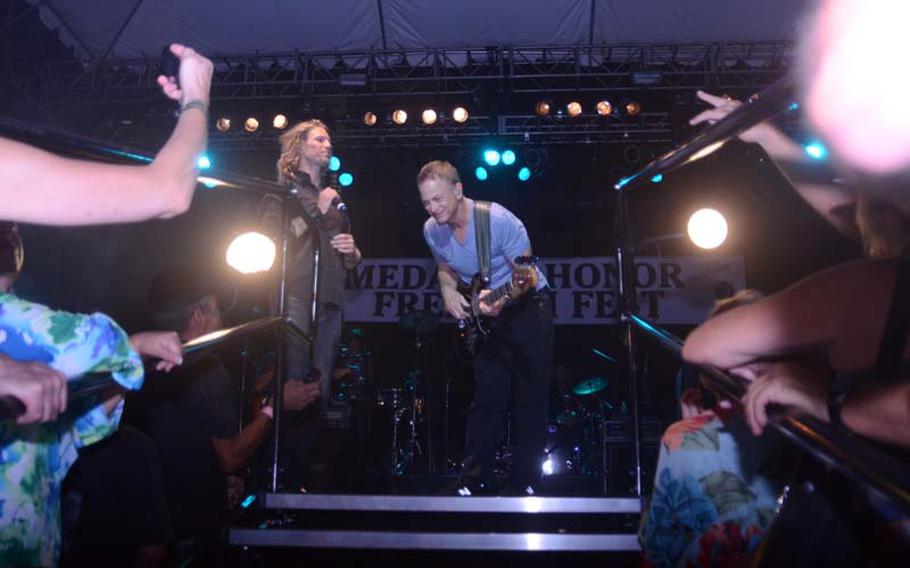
590 386
423 321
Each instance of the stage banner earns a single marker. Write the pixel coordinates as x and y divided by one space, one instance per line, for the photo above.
671 290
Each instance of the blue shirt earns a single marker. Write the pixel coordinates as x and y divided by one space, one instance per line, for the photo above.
508 239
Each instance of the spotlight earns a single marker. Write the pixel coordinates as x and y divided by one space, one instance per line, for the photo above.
524 174
604 108
223 124
707 228
548 467
334 164
399 116
508 158
633 108
251 252
370 119
428 116
460 114
542 108
280 121
816 150
573 108
346 179
203 162
491 157
657 178
251 124
481 173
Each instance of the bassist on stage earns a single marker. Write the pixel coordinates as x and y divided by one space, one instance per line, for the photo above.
513 359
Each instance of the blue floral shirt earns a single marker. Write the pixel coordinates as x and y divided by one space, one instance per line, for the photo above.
35 458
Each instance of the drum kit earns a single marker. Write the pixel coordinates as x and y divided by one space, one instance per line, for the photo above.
396 415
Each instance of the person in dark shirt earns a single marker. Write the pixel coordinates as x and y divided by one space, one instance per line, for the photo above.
193 418
317 224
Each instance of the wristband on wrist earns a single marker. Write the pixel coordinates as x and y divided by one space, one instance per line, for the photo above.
196 103
268 411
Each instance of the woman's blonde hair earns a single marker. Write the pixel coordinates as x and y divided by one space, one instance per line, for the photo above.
290 148
883 226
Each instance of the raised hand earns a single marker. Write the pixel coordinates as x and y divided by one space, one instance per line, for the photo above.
722 106
195 76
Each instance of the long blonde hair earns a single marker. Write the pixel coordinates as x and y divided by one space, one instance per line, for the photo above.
290 148
883 226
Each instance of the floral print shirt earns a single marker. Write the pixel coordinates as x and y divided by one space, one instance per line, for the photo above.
35 458
715 493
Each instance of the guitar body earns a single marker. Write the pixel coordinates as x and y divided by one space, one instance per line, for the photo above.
474 329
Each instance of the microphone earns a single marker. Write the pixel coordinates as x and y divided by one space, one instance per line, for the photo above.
340 205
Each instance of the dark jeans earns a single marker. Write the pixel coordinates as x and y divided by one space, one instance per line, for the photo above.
515 361
299 429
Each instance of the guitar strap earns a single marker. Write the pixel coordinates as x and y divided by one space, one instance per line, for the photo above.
482 238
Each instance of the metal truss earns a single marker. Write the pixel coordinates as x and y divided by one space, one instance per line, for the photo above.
430 72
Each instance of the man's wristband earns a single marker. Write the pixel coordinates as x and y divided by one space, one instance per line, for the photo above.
196 103
268 411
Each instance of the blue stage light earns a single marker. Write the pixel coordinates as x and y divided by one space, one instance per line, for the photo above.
816 150
524 174
345 179
508 158
657 178
491 157
334 164
481 173
203 162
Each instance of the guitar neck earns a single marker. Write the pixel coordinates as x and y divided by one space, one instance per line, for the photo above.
498 293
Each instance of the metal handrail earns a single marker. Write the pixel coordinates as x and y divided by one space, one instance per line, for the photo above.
865 465
775 100
91 383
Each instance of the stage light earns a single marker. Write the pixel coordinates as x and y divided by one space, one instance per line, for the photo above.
542 108
508 158
481 173
548 467
250 253
604 108
816 150
346 179
460 114
428 116
573 108
280 121
399 116
524 174
633 108
334 164
492 157
370 119
251 124
203 162
223 124
707 228
657 178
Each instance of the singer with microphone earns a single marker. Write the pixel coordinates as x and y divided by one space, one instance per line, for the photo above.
320 223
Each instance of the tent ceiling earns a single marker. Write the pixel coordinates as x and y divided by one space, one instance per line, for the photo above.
99 29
